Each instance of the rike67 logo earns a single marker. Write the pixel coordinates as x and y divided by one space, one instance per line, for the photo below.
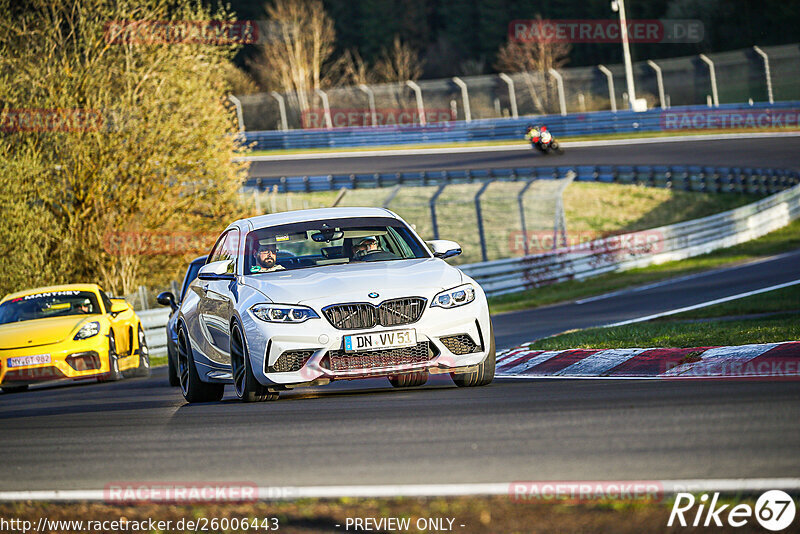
774 510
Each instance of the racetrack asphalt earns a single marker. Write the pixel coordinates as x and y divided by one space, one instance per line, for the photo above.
775 152
85 436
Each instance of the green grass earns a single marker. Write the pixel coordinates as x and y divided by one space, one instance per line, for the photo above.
786 299
783 327
782 240
697 328
476 144
158 361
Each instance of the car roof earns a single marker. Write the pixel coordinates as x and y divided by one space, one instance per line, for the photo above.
47 289
288 217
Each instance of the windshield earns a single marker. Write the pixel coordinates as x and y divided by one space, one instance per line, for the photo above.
48 304
333 242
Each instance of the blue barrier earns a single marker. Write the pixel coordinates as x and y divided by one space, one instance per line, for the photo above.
759 115
687 178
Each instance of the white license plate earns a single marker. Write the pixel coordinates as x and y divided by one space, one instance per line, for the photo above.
380 340
36 359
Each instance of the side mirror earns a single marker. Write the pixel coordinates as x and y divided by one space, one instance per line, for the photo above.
166 298
217 270
118 306
444 249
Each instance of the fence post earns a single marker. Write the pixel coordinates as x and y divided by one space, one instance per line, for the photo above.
239 115
765 57
713 73
392 194
479 216
521 204
560 218
371 99
560 83
611 95
432 204
420 108
325 107
512 96
282 108
464 98
659 81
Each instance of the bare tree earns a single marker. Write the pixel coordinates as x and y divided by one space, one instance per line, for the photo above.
534 57
294 59
398 63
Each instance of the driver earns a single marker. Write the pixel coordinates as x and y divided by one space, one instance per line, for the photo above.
266 257
84 306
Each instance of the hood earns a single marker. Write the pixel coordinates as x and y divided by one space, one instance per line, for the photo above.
331 284
39 331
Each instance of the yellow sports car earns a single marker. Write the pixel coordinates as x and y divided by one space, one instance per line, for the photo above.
72 331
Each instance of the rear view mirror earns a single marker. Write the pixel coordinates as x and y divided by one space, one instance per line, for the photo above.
118 306
326 236
444 249
217 270
166 298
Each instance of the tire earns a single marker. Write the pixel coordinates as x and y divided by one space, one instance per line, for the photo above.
14 389
409 380
113 373
194 389
247 388
484 374
172 367
144 355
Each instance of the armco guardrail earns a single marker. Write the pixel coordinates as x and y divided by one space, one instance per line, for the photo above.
744 116
639 249
688 178
154 323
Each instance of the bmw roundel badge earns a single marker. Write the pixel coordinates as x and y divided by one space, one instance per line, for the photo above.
373 295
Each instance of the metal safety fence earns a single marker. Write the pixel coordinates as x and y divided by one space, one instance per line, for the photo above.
767 74
639 249
682 177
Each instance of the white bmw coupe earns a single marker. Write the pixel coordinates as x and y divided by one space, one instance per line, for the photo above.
306 297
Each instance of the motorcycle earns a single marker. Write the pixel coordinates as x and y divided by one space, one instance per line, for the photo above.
545 142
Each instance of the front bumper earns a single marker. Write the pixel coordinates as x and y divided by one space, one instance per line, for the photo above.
316 342
68 359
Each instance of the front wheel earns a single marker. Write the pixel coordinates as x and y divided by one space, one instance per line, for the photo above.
484 374
244 381
172 367
113 373
194 389
144 356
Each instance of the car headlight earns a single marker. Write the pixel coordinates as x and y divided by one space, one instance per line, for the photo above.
451 298
88 330
283 313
